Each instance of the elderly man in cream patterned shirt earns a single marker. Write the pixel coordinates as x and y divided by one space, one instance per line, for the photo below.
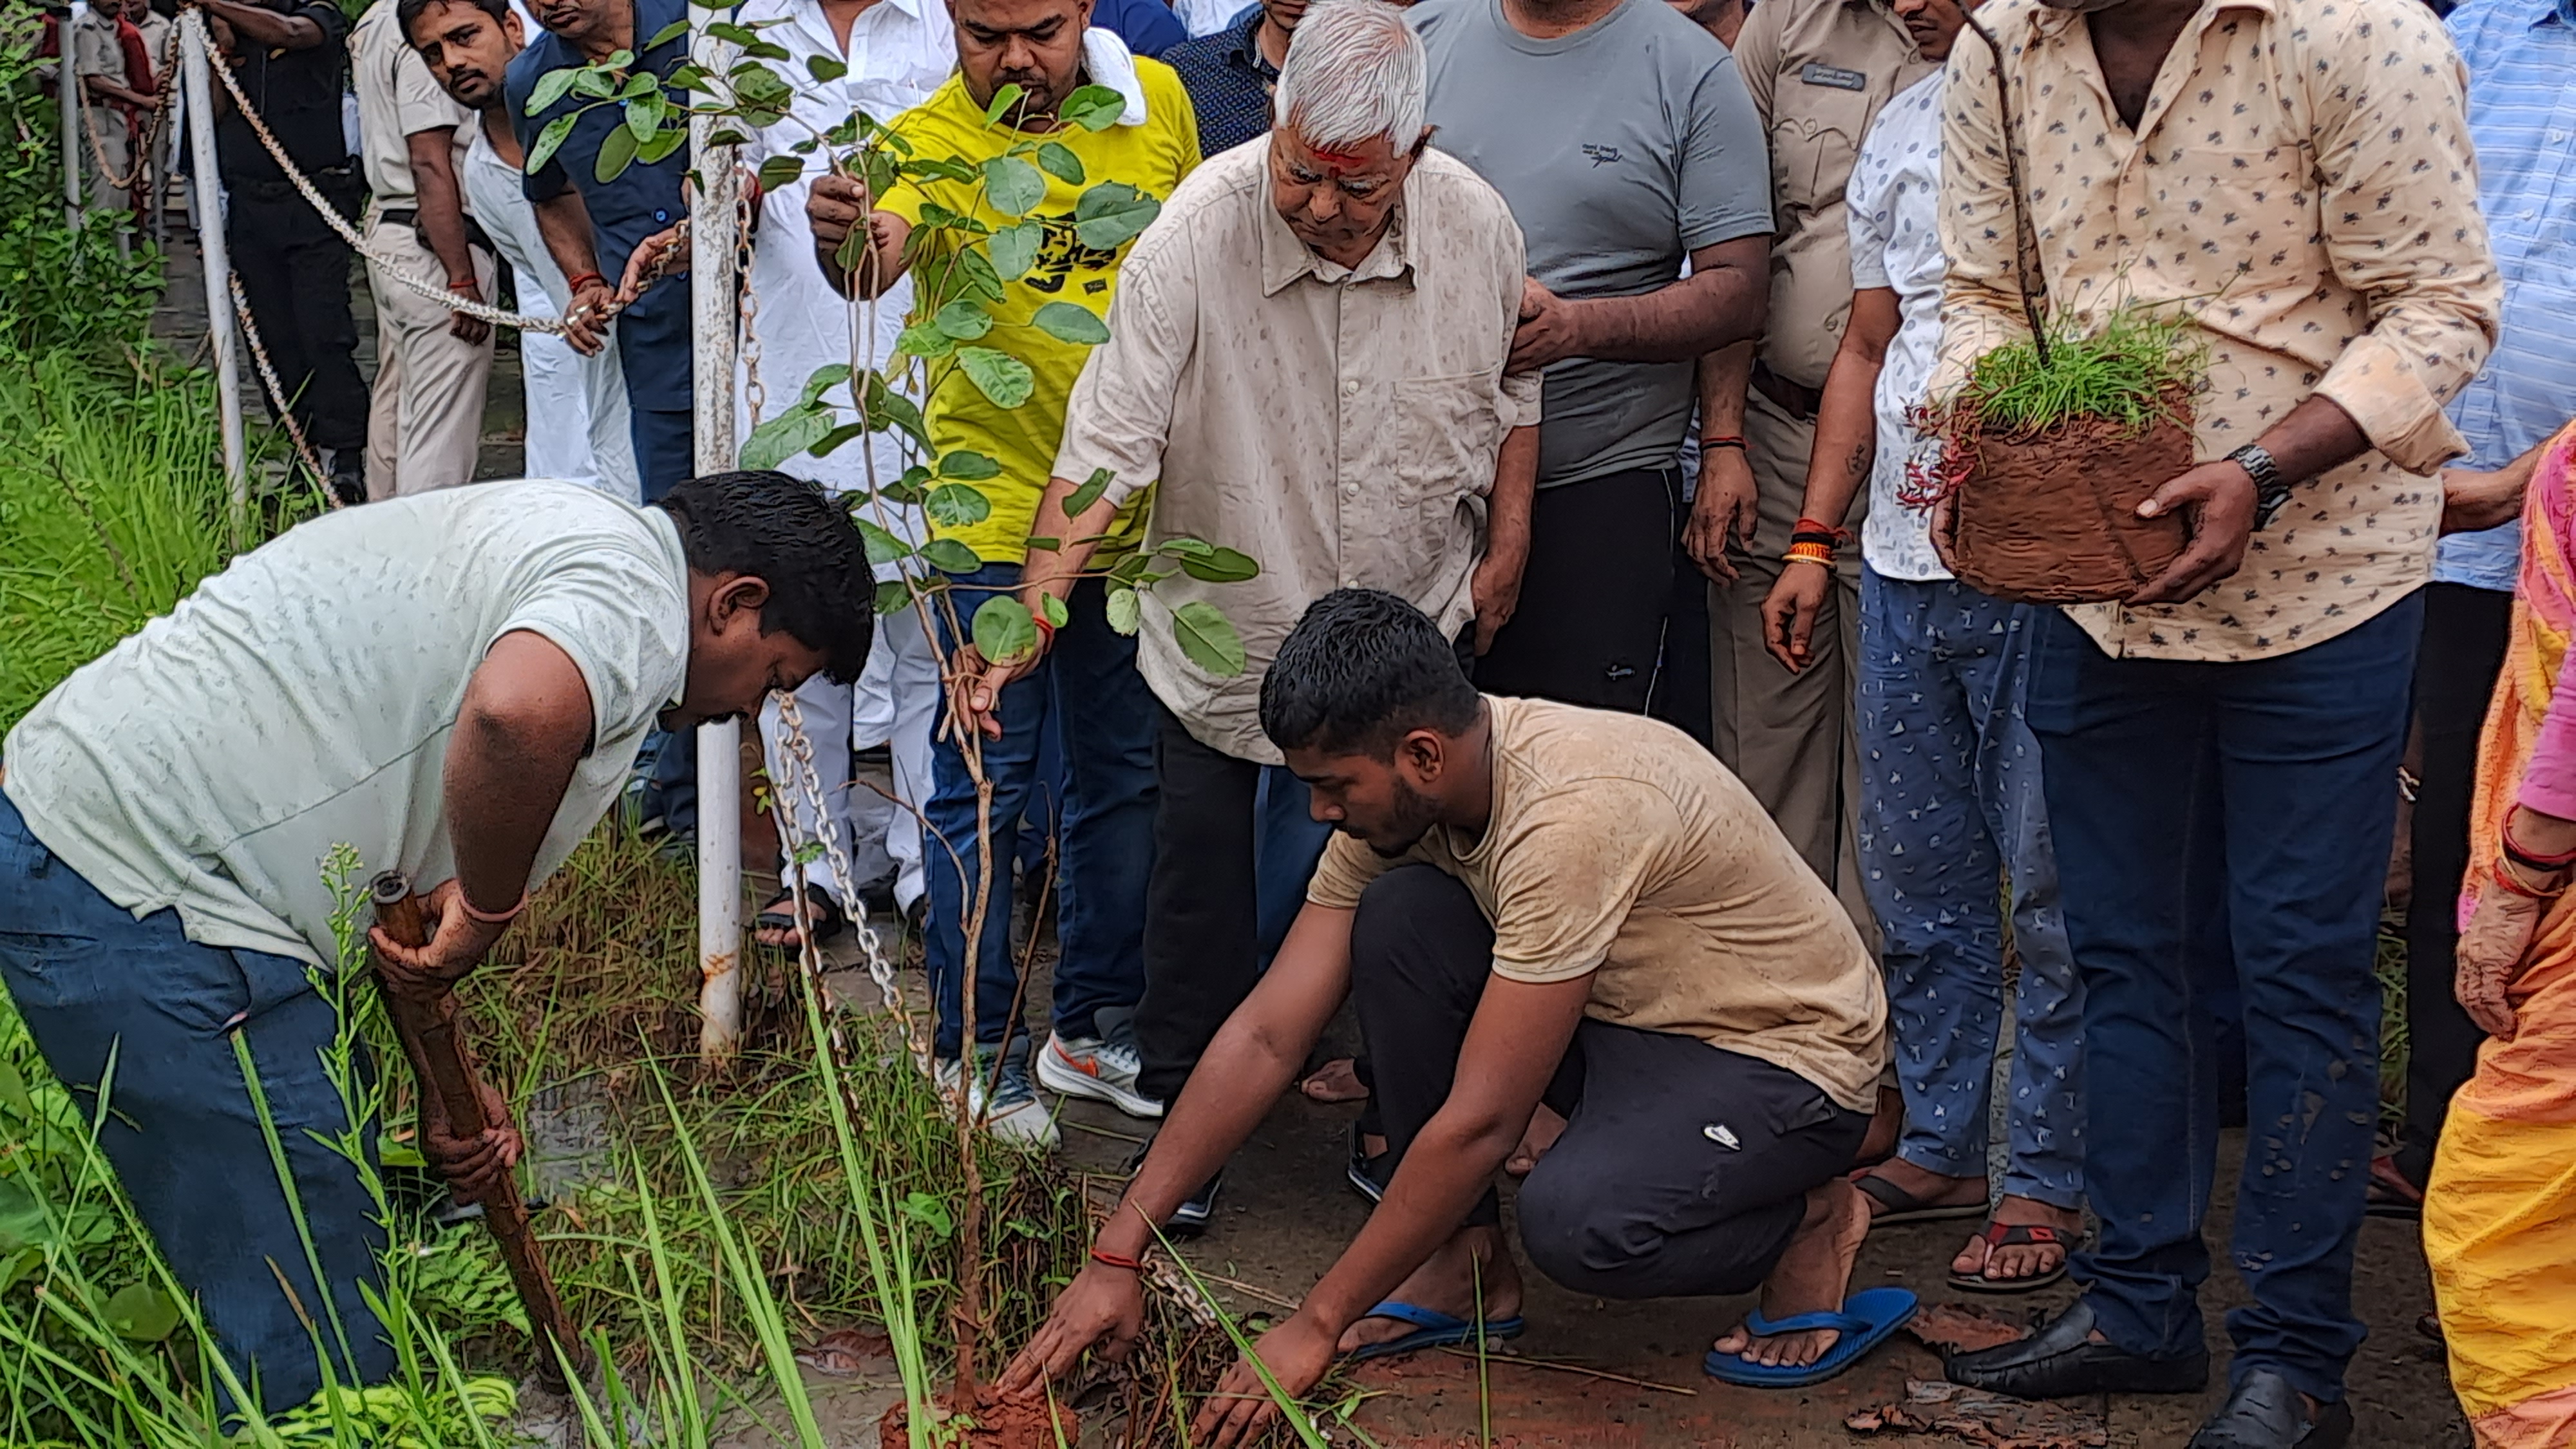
2296 177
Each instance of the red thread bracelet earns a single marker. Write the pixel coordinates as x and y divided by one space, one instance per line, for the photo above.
584 280
1112 1260
2533 858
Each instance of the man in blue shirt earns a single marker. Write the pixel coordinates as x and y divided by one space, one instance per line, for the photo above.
645 203
2521 56
1148 26
1229 73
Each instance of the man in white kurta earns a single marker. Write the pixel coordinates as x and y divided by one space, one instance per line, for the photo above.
898 52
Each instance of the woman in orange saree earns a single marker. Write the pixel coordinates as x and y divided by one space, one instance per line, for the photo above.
2500 1212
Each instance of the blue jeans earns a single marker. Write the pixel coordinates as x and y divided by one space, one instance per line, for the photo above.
1950 803
2289 766
1287 841
1088 685
90 979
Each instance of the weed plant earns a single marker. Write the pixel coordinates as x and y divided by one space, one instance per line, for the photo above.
2127 371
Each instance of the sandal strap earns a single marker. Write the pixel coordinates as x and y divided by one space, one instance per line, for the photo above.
2014 1235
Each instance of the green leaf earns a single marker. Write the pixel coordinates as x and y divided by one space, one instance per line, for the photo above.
642 83
549 141
940 168
1207 638
1015 249
730 33
668 33
923 340
551 88
1057 615
1046 542
766 50
967 464
644 115
908 489
826 67
1003 99
846 432
784 436
780 171
1060 162
14 1094
883 406
956 505
1013 186
893 598
1221 566
1072 322
1004 380
883 547
1126 611
618 60
23 1223
1093 108
616 153
1111 214
962 320
978 271
597 82
951 557
141 1313
1185 546
664 142
1089 493
820 381
1003 630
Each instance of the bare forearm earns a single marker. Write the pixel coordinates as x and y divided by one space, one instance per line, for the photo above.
1846 437
505 780
1214 1114
1447 1167
565 224
108 90
2540 832
442 206
2317 436
1724 377
1703 312
1056 569
1507 507
267 27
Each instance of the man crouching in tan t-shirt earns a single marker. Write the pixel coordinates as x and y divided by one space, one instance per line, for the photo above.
1530 901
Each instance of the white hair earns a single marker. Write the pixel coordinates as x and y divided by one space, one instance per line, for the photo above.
1355 72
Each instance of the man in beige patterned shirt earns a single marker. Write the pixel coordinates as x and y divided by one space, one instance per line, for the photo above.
1307 349
2296 176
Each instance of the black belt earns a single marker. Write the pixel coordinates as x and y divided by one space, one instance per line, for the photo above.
475 235
1795 398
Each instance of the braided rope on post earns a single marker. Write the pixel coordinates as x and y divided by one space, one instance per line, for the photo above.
276 393
162 101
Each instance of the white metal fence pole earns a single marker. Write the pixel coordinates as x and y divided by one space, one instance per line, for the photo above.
207 187
712 279
68 87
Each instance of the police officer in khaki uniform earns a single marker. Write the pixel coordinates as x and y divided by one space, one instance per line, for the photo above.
1818 71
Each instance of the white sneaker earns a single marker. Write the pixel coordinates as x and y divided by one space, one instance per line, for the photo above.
1102 1069
1014 1114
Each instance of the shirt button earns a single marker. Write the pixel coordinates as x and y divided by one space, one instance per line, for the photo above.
1351 489
661 216
1350 583
1351 388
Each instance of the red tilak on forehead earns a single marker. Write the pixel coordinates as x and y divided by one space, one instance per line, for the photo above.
1339 158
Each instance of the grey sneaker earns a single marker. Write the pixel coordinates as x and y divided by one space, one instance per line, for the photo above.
1014 1114
1103 1069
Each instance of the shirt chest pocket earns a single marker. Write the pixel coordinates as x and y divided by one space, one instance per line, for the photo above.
1442 432
1815 140
2252 211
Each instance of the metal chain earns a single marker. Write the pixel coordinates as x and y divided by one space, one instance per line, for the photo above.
752 394
435 291
162 100
277 394
803 790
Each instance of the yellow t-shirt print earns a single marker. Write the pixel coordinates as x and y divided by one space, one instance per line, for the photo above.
1152 158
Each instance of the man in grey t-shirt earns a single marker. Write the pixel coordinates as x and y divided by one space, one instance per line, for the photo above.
1625 143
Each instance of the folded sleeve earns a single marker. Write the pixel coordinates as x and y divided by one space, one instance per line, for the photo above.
2402 227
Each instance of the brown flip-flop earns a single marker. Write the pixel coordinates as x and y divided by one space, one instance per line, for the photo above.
2016 1235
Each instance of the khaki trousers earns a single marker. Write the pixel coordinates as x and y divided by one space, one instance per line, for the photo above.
427 415
1790 737
112 139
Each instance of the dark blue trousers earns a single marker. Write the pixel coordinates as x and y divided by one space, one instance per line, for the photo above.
90 979
2288 766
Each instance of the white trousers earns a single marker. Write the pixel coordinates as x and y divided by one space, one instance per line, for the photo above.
893 704
576 408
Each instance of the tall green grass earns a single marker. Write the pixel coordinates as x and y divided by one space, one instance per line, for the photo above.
113 503
2128 370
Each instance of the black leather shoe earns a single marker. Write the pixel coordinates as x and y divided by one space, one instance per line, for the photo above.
2060 1360
2266 1413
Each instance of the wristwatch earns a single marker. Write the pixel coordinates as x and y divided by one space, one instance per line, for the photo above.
2271 490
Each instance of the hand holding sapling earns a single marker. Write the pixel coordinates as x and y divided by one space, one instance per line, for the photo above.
2218 499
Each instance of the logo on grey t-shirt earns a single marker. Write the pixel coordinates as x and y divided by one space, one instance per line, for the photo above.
1601 155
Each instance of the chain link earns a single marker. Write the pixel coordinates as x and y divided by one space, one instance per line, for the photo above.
801 791
435 291
753 395
277 394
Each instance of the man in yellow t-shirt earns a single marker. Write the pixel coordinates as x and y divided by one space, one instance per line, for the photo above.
1087 688
1530 901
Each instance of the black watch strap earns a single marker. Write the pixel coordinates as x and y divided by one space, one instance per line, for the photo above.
2271 490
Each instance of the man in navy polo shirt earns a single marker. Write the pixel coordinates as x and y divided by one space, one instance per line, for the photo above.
1229 73
644 203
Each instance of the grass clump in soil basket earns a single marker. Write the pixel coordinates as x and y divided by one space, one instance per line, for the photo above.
2050 446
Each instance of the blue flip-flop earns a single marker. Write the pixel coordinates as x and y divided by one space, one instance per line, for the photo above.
1867 1319
1433 1329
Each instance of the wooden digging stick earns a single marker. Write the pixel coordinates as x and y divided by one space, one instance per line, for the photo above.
437 1054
